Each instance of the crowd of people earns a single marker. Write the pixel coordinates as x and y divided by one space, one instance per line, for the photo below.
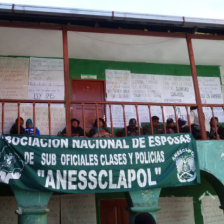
99 129
28 130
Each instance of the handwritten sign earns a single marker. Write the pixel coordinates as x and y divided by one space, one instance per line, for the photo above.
145 88
118 85
177 89
210 90
10 115
14 78
46 79
118 121
124 86
176 210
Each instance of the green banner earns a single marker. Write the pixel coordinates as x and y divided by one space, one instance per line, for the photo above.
88 165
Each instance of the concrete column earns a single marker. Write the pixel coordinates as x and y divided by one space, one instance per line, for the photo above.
144 201
32 206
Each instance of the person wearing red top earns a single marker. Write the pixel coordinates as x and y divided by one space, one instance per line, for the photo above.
102 131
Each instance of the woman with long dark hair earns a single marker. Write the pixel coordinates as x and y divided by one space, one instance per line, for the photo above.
101 131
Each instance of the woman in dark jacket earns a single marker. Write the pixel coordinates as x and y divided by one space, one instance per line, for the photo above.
213 127
14 129
170 126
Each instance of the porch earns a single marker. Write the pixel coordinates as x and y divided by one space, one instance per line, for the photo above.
87 48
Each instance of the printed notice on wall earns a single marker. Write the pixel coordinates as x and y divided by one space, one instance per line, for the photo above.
46 79
78 209
210 210
176 210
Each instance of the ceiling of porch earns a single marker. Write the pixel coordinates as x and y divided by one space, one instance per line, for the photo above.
112 47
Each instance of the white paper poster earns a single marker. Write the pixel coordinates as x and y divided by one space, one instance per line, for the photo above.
118 85
124 86
210 90
14 78
46 79
10 115
46 82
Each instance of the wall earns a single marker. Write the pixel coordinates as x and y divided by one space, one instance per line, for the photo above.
191 191
78 67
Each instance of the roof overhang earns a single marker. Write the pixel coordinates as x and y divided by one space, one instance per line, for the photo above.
110 19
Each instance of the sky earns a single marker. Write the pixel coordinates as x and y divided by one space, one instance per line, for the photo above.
190 8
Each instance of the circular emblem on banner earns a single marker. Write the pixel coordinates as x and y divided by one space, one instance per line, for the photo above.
11 166
186 169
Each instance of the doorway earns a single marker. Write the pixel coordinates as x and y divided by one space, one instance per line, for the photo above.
114 211
91 91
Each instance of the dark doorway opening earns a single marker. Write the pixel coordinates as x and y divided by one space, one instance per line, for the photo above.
114 211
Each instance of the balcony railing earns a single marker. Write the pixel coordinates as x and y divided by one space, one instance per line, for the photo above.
108 106
105 110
